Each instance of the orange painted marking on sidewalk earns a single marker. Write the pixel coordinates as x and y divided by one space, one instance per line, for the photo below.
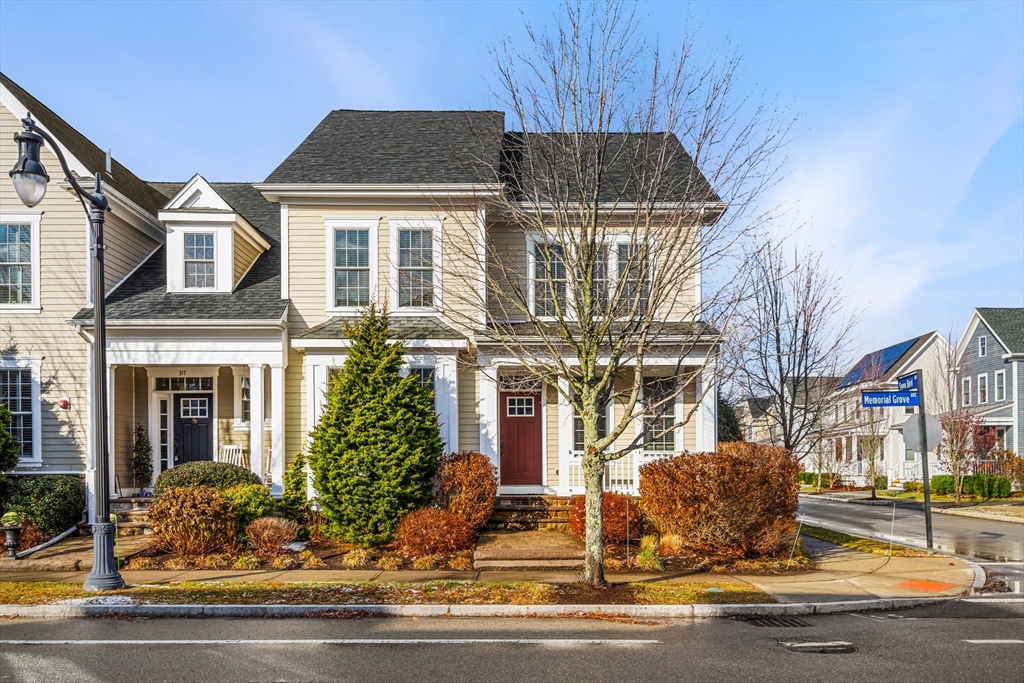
925 585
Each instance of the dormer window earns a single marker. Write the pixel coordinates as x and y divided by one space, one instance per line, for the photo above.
200 266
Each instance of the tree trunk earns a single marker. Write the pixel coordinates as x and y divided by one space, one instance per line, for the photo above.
593 558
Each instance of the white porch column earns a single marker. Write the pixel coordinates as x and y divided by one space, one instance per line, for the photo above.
256 419
90 436
565 438
707 410
446 393
488 378
277 428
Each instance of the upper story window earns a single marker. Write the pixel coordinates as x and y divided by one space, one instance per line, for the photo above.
19 261
965 392
200 266
550 280
1000 387
351 268
982 346
634 278
415 268
982 388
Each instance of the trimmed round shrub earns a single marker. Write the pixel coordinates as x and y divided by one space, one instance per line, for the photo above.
429 531
987 486
740 501
52 502
940 485
267 536
196 520
615 507
466 484
250 502
218 475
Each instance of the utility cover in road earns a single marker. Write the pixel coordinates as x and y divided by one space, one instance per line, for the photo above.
889 399
912 432
907 382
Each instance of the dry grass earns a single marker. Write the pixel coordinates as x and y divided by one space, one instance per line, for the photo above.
865 545
368 593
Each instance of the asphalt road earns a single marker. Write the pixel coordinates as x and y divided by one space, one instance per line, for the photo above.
930 644
968 536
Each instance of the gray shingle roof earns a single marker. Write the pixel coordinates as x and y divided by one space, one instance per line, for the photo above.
397 147
402 328
144 295
1008 324
94 158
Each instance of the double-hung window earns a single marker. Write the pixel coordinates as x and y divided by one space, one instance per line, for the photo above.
200 266
18 257
550 281
965 392
16 396
245 399
982 346
982 389
1000 386
634 285
425 376
415 268
661 415
577 429
351 267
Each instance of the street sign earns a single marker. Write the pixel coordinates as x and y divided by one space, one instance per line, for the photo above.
907 382
889 399
912 432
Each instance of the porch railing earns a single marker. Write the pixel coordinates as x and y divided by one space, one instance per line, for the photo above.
620 476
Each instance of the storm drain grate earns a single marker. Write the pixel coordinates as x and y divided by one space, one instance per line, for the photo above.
777 622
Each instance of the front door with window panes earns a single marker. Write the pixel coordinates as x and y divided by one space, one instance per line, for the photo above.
193 427
519 439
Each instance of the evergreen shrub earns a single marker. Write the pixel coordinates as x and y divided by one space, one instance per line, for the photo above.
913 486
881 482
987 486
293 499
10 449
740 501
940 485
218 475
196 520
250 501
142 458
466 484
53 503
616 508
376 448
429 531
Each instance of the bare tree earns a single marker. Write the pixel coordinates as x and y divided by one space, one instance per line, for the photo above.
796 342
612 207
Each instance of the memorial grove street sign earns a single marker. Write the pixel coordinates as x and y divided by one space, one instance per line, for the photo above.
889 399
912 433
907 382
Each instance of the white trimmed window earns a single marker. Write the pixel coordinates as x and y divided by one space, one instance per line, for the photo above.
550 284
19 262
965 392
982 346
200 265
633 278
661 436
982 389
577 428
351 267
19 393
1000 386
415 263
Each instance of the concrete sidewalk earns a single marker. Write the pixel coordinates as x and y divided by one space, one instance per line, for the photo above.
841 575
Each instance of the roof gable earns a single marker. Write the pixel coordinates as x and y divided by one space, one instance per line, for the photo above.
1007 324
879 365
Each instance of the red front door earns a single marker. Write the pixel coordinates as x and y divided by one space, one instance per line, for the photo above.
520 441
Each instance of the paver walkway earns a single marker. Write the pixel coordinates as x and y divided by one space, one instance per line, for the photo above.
74 553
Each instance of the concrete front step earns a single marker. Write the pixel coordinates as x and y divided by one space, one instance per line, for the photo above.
528 554
496 565
134 529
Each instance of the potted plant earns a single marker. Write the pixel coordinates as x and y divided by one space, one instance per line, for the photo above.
142 459
12 524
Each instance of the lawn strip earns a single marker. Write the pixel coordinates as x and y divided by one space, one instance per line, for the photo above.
865 545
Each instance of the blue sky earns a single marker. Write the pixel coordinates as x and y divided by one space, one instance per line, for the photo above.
906 171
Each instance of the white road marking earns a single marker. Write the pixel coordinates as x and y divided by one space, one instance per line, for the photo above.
834 643
995 642
1002 600
351 641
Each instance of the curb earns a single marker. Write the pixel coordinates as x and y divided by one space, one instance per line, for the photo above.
967 512
662 611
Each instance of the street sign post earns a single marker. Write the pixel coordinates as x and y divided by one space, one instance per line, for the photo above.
925 436
889 399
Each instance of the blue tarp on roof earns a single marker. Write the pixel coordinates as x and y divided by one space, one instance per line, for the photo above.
876 363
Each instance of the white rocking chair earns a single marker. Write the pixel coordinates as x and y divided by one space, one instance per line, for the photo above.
233 455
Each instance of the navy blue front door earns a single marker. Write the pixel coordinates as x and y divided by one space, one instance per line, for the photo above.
193 427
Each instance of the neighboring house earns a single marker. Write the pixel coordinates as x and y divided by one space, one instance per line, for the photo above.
990 367
761 422
752 414
226 304
856 433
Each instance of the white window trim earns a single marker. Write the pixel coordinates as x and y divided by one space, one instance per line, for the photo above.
432 223
999 375
33 218
238 373
185 259
34 364
332 223
965 392
982 346
609 422
982 376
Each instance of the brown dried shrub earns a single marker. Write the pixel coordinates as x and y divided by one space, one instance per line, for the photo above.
616 508
267 535
429 531
194 520
466 484
740 501
31 536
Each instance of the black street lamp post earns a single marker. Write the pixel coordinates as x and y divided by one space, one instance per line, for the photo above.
30 179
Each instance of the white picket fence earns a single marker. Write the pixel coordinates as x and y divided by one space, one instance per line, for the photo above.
620 476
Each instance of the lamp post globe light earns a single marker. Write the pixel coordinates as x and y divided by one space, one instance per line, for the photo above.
29 179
